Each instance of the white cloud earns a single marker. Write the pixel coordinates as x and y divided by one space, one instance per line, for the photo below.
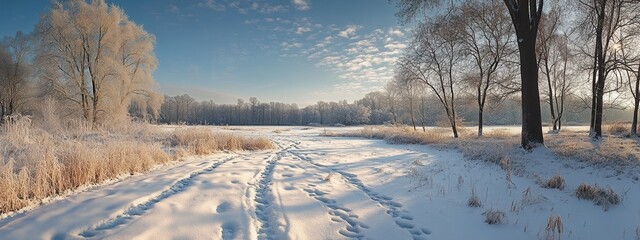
289 45
212 4
302 30
268 8
350 31
302 5
395 46
173 8
396 32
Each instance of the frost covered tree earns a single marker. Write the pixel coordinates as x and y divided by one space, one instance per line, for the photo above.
15 68
93 56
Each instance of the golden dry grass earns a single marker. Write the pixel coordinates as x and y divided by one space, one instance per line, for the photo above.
618 128
604 197
468 143
611 150
37 164
556 182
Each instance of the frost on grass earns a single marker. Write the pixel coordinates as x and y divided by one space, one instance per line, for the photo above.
44 163
556 182
554 228
604 197
474 201
494 217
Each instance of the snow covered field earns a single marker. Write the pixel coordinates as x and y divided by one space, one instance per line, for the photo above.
313 187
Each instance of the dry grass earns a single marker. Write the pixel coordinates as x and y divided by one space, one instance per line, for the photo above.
474 201
329 177
554 226
494 216
38 164
617 128
556 182
604 197
202 140
400 134
611 150
470 145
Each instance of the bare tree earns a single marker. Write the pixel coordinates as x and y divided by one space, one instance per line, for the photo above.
604 19
525 16
431 59
554 56
487 38
392 90
15 69
409 92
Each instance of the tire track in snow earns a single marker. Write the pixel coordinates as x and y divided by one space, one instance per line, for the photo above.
394 209
264 199
140 209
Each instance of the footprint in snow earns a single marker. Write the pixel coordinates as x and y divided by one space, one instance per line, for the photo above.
230 230
223 207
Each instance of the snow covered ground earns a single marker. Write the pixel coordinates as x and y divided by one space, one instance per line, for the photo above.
314 187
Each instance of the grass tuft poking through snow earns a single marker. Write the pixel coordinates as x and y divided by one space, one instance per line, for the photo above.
554 226
494 216
600 196
556 182
39 164
474 201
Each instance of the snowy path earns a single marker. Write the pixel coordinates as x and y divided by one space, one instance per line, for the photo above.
313 187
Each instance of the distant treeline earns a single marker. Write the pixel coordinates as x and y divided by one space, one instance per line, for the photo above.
375 108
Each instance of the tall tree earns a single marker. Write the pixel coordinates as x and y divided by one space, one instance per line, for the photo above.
487 38
94 56
525 17
602 21
15 68
432 58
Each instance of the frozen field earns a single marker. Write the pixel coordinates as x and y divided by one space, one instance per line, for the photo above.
313 187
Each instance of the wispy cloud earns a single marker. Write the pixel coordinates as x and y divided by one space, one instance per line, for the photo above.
348 32
243 6
212 4
302 5
302 30
268 8
173 8
364 58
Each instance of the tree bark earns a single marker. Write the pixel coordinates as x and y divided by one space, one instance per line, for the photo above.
634 124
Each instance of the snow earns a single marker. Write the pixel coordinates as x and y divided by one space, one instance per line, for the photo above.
313 187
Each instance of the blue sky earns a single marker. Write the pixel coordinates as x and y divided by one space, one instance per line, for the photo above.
297 51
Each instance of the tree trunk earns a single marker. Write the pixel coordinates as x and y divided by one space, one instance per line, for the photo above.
413 121
634 124
596 132
480 121
423 114
531 116
551 96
